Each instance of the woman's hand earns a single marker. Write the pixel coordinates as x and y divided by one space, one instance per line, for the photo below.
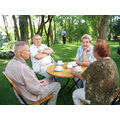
73 71
78 62
87 49
86 63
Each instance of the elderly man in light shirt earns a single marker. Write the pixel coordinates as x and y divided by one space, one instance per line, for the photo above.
25 79
84 56
40 56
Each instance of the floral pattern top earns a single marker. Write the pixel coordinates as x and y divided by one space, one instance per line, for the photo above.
101 81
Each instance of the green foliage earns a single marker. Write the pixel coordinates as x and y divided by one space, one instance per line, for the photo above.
116 28
3 39
76 26
8 46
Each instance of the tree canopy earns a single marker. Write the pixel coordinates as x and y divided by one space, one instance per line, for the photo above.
24 27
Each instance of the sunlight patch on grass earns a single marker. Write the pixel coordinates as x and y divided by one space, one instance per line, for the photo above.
4 61
56 57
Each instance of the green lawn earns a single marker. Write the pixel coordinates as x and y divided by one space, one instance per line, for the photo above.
66 53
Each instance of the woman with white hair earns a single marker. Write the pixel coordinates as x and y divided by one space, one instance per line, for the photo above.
84 56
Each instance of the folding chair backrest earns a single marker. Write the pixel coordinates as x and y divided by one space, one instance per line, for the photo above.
12 83
116 98
16 90
84 102
18 94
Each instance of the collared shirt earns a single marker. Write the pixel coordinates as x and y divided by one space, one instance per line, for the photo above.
25 79
90 55
35 62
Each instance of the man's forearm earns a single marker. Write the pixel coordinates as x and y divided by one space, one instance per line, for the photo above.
40 56
48 51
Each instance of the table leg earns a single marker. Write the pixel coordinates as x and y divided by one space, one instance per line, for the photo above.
61 91
65 85
63 98
75 84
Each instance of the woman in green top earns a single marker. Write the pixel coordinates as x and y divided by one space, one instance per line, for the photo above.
101 78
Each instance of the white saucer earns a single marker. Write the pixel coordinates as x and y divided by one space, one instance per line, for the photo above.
59 70
79 69
74 65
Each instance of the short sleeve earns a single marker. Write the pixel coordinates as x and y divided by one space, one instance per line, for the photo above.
33 51
44 46
92 58
77 55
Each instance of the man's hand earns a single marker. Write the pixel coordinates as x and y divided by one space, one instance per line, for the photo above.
44 82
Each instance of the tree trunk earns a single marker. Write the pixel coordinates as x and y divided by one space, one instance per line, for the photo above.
42 24
49 30
16 28
51 35
98 24
34 28
103 27
69 30
23 27
6 26
54 30
31 29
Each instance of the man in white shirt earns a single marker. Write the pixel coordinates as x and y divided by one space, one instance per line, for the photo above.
40 56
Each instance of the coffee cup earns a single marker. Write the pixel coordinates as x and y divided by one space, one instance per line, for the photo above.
73 63
69 65
58 68
60 62
78 68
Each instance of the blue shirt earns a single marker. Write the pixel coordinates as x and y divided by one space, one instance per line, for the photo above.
90 55
63 32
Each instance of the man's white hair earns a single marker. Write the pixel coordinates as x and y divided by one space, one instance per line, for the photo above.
35 36
19 46
87 36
